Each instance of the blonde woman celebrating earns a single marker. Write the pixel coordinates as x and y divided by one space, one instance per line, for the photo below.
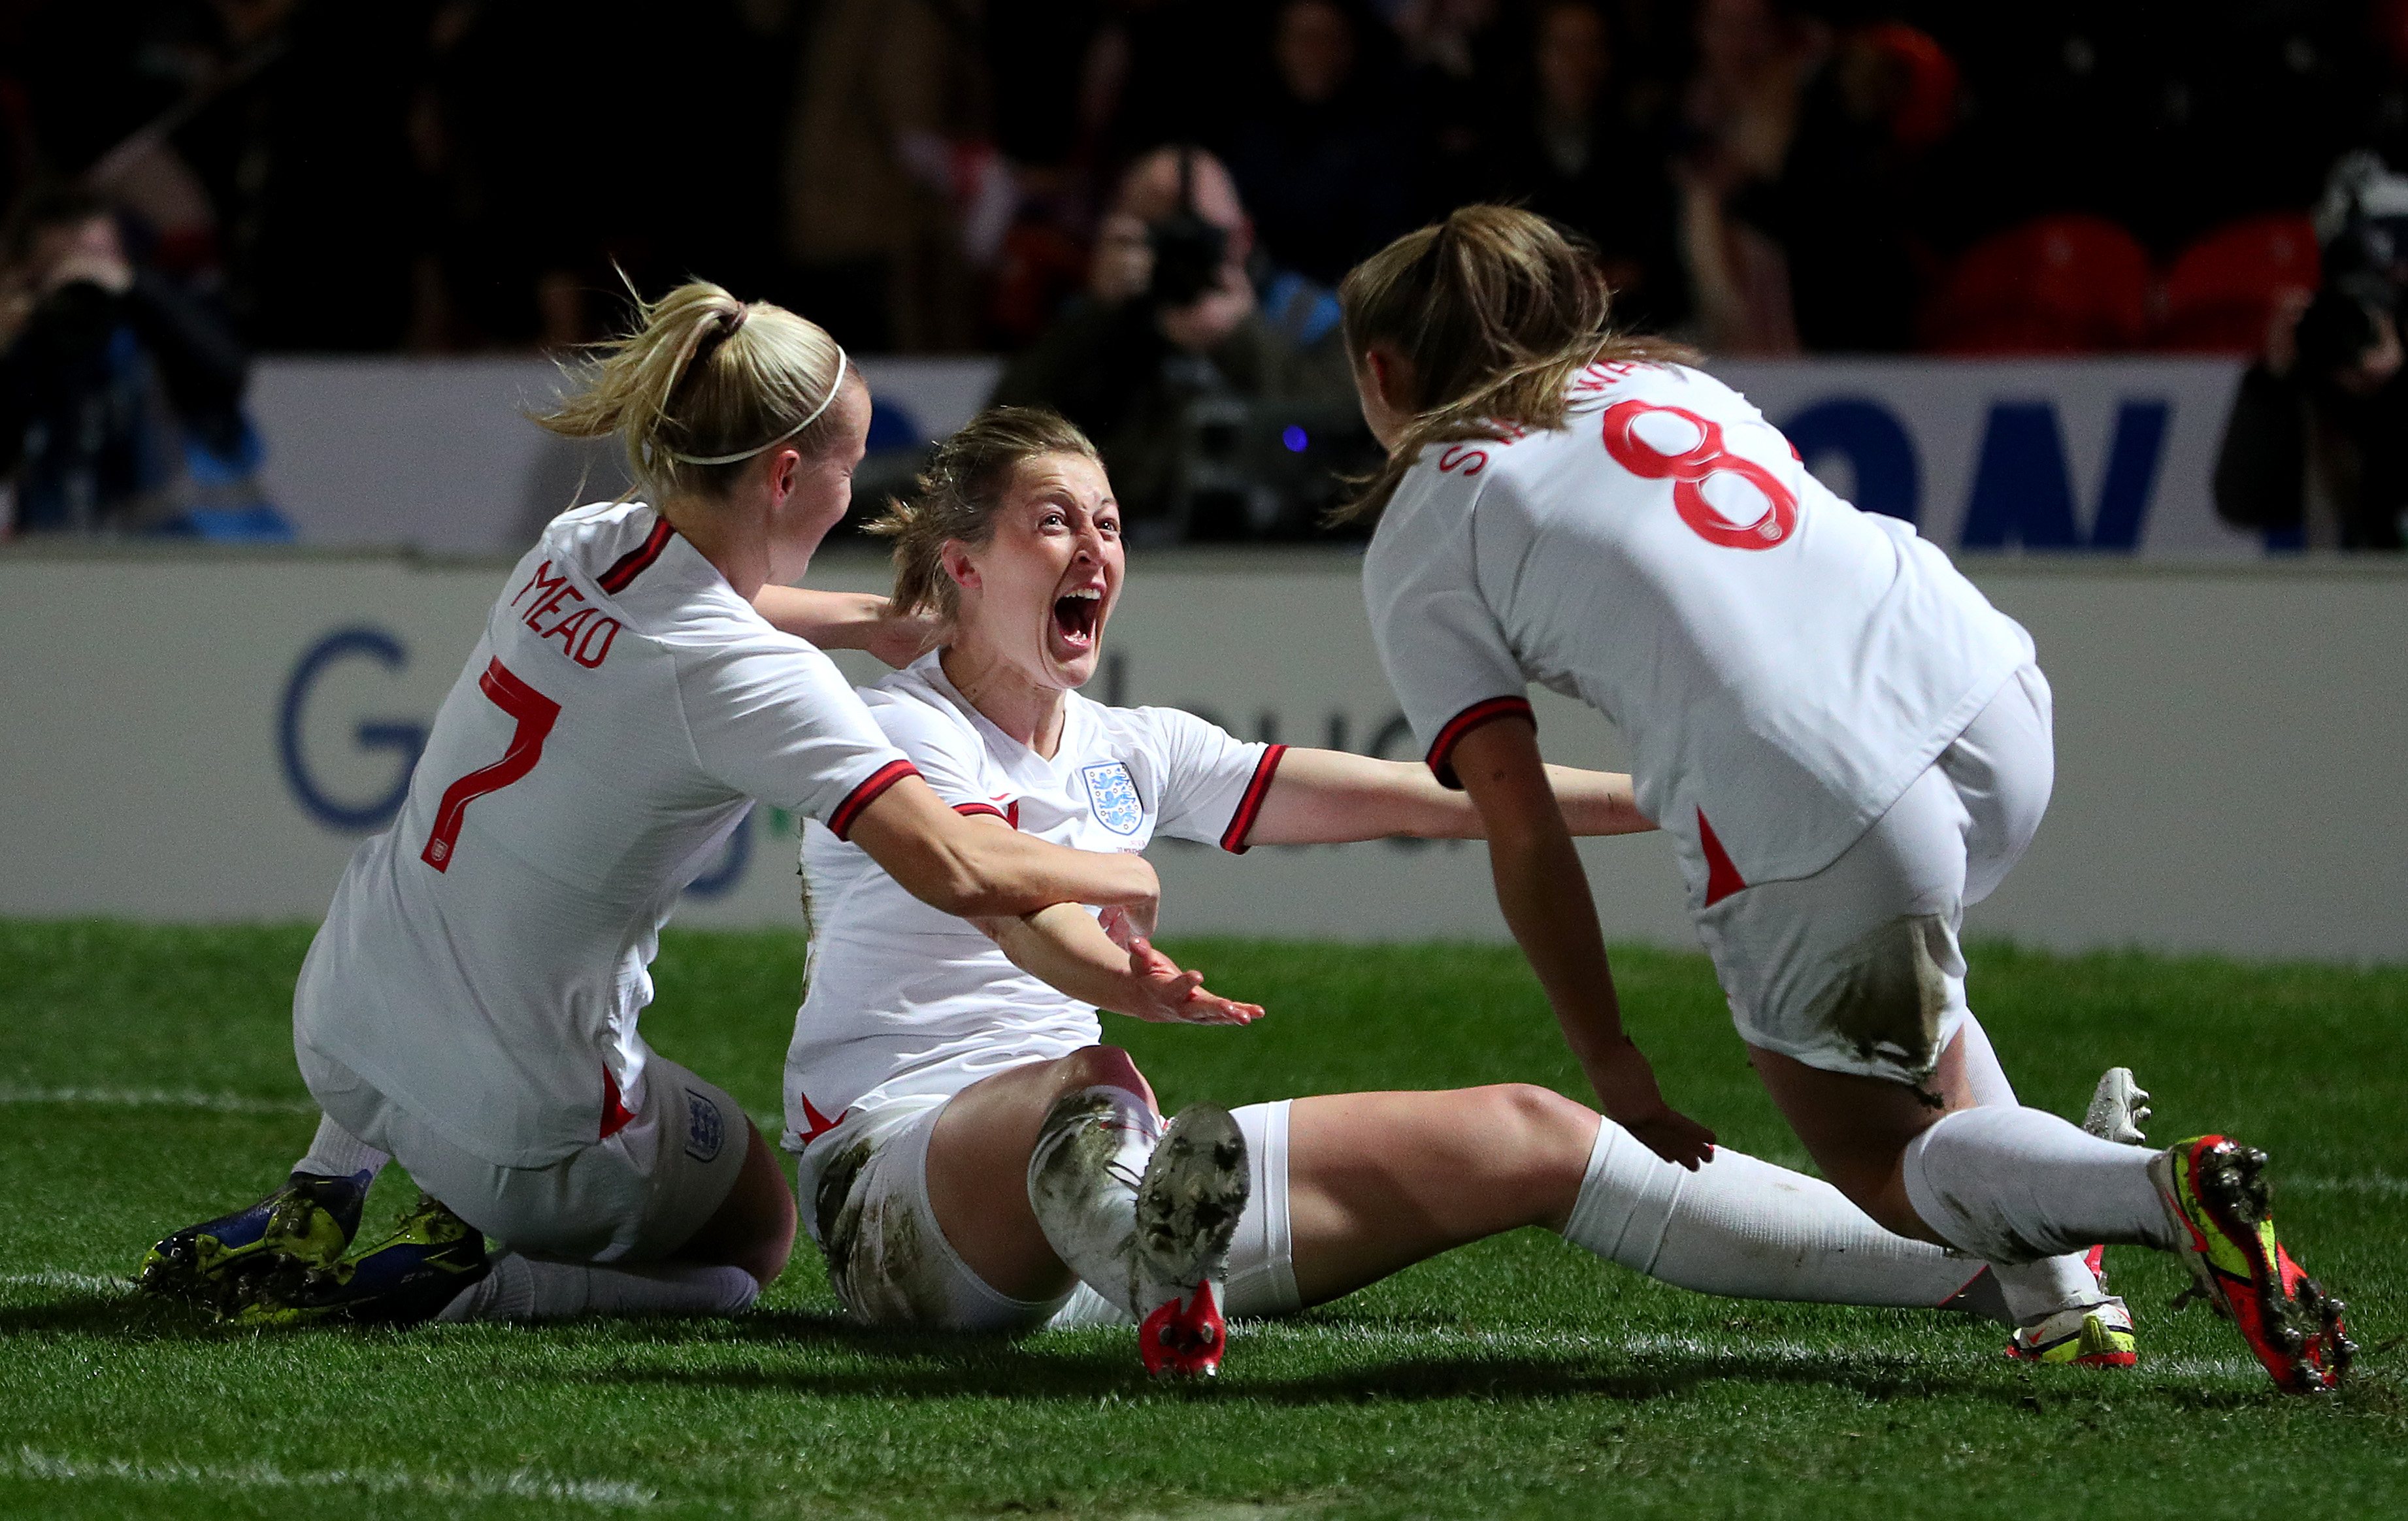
1847 743
971 1152
470 1004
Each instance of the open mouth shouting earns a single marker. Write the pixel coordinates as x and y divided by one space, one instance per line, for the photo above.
1078 623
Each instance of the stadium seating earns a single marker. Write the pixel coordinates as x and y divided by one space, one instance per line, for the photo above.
2055 284
2223 290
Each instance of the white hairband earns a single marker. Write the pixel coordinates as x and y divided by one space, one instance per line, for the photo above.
837 384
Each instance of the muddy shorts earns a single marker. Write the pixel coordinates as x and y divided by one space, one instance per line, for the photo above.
864 1187
636 1196
865 1192
1857 968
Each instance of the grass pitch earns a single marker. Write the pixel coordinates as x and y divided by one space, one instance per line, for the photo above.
147 1080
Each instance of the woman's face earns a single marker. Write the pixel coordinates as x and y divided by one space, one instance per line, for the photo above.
1036 595
818 490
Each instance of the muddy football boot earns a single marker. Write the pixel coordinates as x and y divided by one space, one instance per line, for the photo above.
2118 1108
2215 1194
302 1226
1187 1208
403 1279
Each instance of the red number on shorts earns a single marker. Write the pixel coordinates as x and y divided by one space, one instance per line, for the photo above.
534 713
1692 467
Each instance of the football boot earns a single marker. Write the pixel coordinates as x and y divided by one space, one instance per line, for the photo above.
2083 1336
404 1279
2217 1196
2118 1108
1187 1208
302 1226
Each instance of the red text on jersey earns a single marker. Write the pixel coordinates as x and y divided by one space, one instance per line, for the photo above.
585 633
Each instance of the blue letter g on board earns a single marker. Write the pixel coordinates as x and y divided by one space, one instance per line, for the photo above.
404 740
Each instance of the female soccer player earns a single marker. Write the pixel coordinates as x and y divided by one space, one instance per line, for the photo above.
969 1152
470 1004
1847 743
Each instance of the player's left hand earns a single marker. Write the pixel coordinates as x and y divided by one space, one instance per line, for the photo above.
1166 995
1626 1086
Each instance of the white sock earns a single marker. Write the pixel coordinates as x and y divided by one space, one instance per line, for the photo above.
533 1288
1748 1229
2015 1184
1262 1255
2033 1290
336 1153
1083 1180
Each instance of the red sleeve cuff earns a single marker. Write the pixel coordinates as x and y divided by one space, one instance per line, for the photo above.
841 823
1442 750
1241 823
971 811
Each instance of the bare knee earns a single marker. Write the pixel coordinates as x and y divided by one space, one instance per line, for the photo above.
1101 1066
1544 1137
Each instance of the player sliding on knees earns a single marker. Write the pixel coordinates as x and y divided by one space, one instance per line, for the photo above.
1847 741
470 1004
970 1153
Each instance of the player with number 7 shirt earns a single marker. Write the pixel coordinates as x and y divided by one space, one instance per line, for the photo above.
1846 743
470 1004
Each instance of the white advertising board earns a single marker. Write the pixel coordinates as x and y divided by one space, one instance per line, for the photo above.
207 737
2112 455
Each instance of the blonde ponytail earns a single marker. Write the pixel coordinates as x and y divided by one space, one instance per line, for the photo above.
703 385
1496 309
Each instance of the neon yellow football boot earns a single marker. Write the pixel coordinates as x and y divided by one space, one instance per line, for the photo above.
2216 1193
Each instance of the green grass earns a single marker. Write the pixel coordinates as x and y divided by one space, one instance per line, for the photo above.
1516 1378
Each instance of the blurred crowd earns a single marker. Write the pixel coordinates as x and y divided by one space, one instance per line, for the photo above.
1762 176
1147 203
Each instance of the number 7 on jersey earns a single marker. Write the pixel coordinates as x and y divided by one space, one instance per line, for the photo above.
534 713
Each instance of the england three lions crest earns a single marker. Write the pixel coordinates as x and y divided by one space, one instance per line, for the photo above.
1114 795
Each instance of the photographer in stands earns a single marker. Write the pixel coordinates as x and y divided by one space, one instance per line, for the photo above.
1179 309
105 369
2315 452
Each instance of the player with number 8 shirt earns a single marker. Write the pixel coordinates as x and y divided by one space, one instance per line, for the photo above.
470 1004
1846 743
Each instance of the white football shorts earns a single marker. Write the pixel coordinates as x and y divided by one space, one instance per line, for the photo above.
865 1192
1857 969
636 1196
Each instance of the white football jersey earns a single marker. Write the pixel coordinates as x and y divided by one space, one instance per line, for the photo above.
484 960
904 999
1782 663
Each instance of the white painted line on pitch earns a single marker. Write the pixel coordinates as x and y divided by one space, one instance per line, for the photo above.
521 1484
2381 1185
83 1282
221 1103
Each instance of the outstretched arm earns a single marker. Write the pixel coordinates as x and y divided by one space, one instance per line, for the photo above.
969 868
1328 796
1064 946
1545 896
847 620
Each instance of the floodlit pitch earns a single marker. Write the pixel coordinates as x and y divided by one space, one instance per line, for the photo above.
1519 1377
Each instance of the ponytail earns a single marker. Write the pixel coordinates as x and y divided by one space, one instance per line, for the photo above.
703 385
1496 309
